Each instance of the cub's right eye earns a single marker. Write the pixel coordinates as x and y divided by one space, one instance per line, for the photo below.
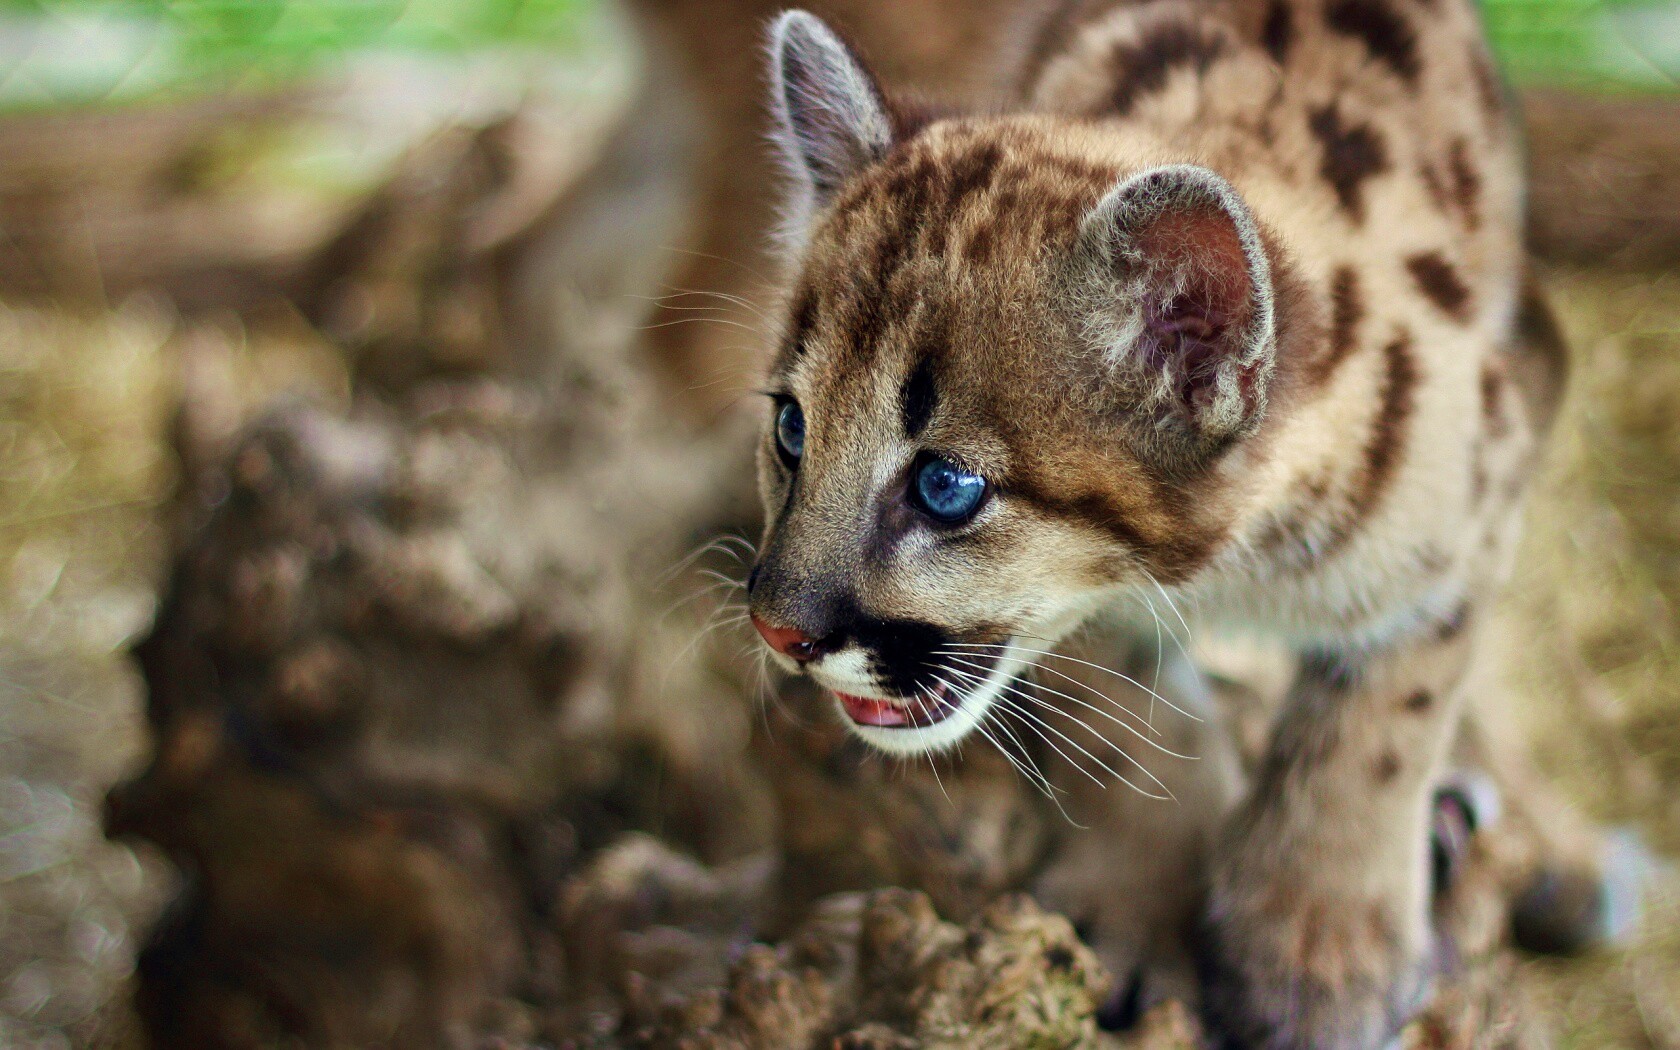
790 433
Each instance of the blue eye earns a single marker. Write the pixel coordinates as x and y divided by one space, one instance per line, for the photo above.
946 492
790 433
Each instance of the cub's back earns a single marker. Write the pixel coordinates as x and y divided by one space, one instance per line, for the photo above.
1383 122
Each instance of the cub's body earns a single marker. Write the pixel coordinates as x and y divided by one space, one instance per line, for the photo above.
1226 307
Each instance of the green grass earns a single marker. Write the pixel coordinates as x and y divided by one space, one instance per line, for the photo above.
89 51
1600 43
80 51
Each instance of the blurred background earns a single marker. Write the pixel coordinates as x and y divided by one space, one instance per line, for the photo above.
212 207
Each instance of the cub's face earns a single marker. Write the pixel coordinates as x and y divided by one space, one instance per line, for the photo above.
1005 381
918 544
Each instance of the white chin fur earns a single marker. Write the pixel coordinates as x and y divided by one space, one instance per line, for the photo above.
977 700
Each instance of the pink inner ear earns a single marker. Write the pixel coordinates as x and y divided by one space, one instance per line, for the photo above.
1198 296
1197 251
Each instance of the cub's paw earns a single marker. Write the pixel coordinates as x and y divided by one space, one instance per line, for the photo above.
1571 910
1287 969
1466 804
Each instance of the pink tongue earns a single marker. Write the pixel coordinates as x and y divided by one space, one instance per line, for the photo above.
867 712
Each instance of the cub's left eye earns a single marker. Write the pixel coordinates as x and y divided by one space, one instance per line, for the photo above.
790 433
945 492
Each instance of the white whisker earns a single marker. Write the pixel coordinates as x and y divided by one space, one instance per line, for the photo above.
1029 769
1155 680
1089 707
713 574
1076 745
700 320
1189 635
1093 690
738 264
933 763
1122 752
698 594
1082 663
711 625
717 544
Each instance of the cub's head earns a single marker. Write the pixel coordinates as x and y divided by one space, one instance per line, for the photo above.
1020 358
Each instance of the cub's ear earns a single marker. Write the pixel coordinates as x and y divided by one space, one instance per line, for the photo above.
1184 309
831 118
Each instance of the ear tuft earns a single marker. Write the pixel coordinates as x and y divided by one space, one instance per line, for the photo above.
831 118
1186 307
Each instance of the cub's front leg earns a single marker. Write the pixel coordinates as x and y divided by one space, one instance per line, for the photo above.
1128 868
1317 930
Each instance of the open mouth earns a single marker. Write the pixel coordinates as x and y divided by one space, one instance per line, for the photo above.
930 708
931 705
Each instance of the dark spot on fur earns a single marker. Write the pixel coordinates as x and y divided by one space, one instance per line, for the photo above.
917 399
908 208
1061 214
1308 734
1454 185
1347 309
1493 409
1466 182
1278 32
871 302
1062 193
1383 30
1439 281
971 173
1386 767
1352 154
1436 185
980 245
1383 448
1419 702
1143 68
1058 958
1389 432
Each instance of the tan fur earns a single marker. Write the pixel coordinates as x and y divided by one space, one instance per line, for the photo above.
1223 310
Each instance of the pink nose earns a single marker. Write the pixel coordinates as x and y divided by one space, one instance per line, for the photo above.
789 641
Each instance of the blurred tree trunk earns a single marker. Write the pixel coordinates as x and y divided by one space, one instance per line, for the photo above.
1604 187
